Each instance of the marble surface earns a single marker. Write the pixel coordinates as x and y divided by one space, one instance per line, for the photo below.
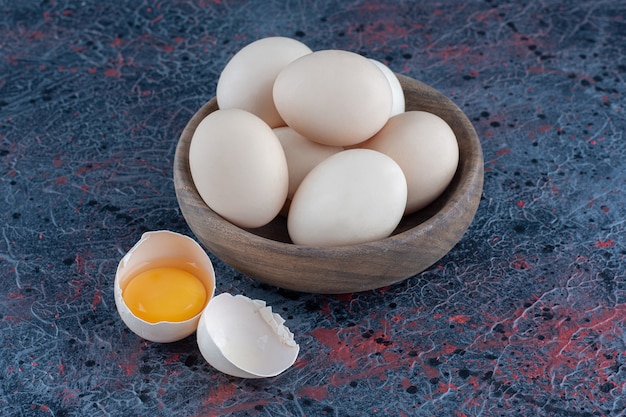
526 316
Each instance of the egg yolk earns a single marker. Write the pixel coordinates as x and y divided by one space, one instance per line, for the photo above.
165 294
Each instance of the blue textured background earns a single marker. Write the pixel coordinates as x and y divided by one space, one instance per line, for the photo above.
524 317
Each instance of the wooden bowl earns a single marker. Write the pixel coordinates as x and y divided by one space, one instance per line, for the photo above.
421 239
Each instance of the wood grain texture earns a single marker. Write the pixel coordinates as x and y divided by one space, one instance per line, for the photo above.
419 241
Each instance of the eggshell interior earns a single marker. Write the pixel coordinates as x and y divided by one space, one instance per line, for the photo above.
243 338
158 249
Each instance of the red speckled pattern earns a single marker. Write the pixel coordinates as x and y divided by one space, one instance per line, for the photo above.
526 316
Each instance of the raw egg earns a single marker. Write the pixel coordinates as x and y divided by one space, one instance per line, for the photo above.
162 285
165 294
164 289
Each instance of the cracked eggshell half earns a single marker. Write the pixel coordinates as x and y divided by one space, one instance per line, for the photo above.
244 338
162 249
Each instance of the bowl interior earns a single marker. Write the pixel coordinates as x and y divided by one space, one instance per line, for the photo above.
422 238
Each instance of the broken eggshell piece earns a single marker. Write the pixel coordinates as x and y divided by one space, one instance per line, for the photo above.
244 338
155 249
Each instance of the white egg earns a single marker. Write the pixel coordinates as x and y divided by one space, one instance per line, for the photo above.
239 167
352 197
398 105
244 338
159 249
302 155
426 149
247 80
333 97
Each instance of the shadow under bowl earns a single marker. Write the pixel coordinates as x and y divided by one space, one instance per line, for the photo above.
421 239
